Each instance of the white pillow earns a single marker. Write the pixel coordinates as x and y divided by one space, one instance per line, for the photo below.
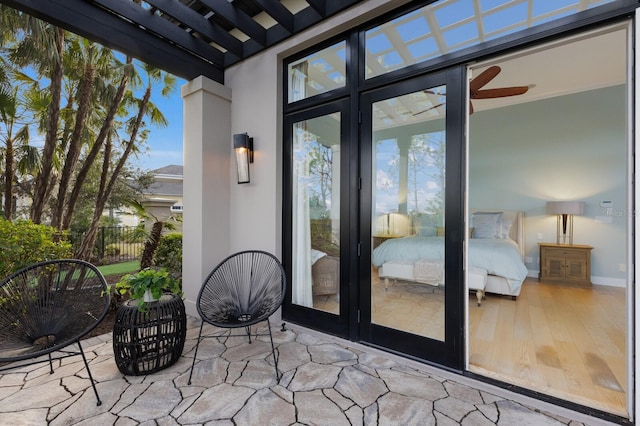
506 229
487 224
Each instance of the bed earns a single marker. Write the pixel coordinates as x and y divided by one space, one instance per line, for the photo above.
496 245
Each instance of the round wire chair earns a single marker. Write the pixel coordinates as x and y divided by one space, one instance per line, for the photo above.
244 289
48 306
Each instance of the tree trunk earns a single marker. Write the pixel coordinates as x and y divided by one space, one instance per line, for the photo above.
75 145
8 179
43 183
151 245
95 149
86 247
107 182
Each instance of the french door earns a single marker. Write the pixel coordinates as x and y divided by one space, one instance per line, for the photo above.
412 170
317 207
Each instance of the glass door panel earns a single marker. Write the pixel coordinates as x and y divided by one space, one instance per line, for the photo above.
408 166
316 213
411 156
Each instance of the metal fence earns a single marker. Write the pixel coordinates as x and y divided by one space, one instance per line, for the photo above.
114 243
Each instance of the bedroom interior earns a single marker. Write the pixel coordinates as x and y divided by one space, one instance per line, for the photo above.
560 141
565 139
561 337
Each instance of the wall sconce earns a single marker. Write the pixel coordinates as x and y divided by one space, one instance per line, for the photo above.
243 148
565 211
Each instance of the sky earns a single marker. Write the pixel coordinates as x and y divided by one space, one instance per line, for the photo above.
165 143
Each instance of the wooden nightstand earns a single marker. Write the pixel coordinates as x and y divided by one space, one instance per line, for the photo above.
569 263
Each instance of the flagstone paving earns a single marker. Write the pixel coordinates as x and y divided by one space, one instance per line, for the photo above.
325 381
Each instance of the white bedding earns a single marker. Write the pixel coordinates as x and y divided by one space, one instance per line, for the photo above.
500 257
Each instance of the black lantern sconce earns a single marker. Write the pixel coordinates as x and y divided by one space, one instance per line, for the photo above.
243 148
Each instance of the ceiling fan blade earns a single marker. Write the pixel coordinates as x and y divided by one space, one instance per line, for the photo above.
484 77
428 109
470 107
500 93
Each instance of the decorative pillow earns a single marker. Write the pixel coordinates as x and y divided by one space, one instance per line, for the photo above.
487 224
506 229
424 226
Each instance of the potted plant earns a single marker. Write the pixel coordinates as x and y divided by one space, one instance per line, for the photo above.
148 285
148 337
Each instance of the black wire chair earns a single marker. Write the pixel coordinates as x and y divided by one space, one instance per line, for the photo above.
48 306
244 289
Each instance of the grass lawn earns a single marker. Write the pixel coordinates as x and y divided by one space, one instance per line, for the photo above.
120 268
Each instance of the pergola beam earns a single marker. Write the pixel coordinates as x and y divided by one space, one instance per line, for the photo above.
94 23
193 20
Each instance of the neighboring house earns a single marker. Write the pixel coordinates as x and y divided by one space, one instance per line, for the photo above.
162 199
336 113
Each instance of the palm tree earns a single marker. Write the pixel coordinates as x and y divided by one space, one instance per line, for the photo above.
16 154
95 64
134 126
152 239
112 96
42 47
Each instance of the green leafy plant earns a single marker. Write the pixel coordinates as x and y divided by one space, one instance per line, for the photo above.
23 243
157 281
169 253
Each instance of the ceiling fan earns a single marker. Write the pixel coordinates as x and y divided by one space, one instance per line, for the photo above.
476 91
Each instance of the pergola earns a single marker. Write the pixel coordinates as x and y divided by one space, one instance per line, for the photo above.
187 38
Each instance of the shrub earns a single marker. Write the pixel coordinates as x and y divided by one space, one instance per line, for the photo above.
23 243
112 250
169 253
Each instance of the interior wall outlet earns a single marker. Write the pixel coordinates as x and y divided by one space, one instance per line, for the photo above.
528 259
622 267
540 235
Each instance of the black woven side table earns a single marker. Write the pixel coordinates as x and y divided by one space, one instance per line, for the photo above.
146 342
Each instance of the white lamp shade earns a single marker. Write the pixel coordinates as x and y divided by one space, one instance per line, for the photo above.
565 207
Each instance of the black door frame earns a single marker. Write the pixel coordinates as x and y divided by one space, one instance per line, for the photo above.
313 318
450 352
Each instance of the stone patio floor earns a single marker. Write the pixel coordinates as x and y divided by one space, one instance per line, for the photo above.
326 381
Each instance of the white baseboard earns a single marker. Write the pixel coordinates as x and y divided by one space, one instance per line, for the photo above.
611 282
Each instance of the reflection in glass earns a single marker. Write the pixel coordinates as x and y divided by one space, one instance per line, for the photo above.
408 212
317 73
450 25
316 213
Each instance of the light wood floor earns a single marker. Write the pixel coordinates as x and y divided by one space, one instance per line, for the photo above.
559 340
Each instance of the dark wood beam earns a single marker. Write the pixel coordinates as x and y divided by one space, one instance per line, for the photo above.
319 6
304 19
134 12
277 11
239 19
93 23
192 19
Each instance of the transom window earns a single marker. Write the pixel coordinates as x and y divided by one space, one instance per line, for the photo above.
450 25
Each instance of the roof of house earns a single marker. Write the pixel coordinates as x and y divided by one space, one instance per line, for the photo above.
173 169
167 181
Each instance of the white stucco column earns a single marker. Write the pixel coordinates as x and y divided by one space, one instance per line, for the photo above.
207 150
